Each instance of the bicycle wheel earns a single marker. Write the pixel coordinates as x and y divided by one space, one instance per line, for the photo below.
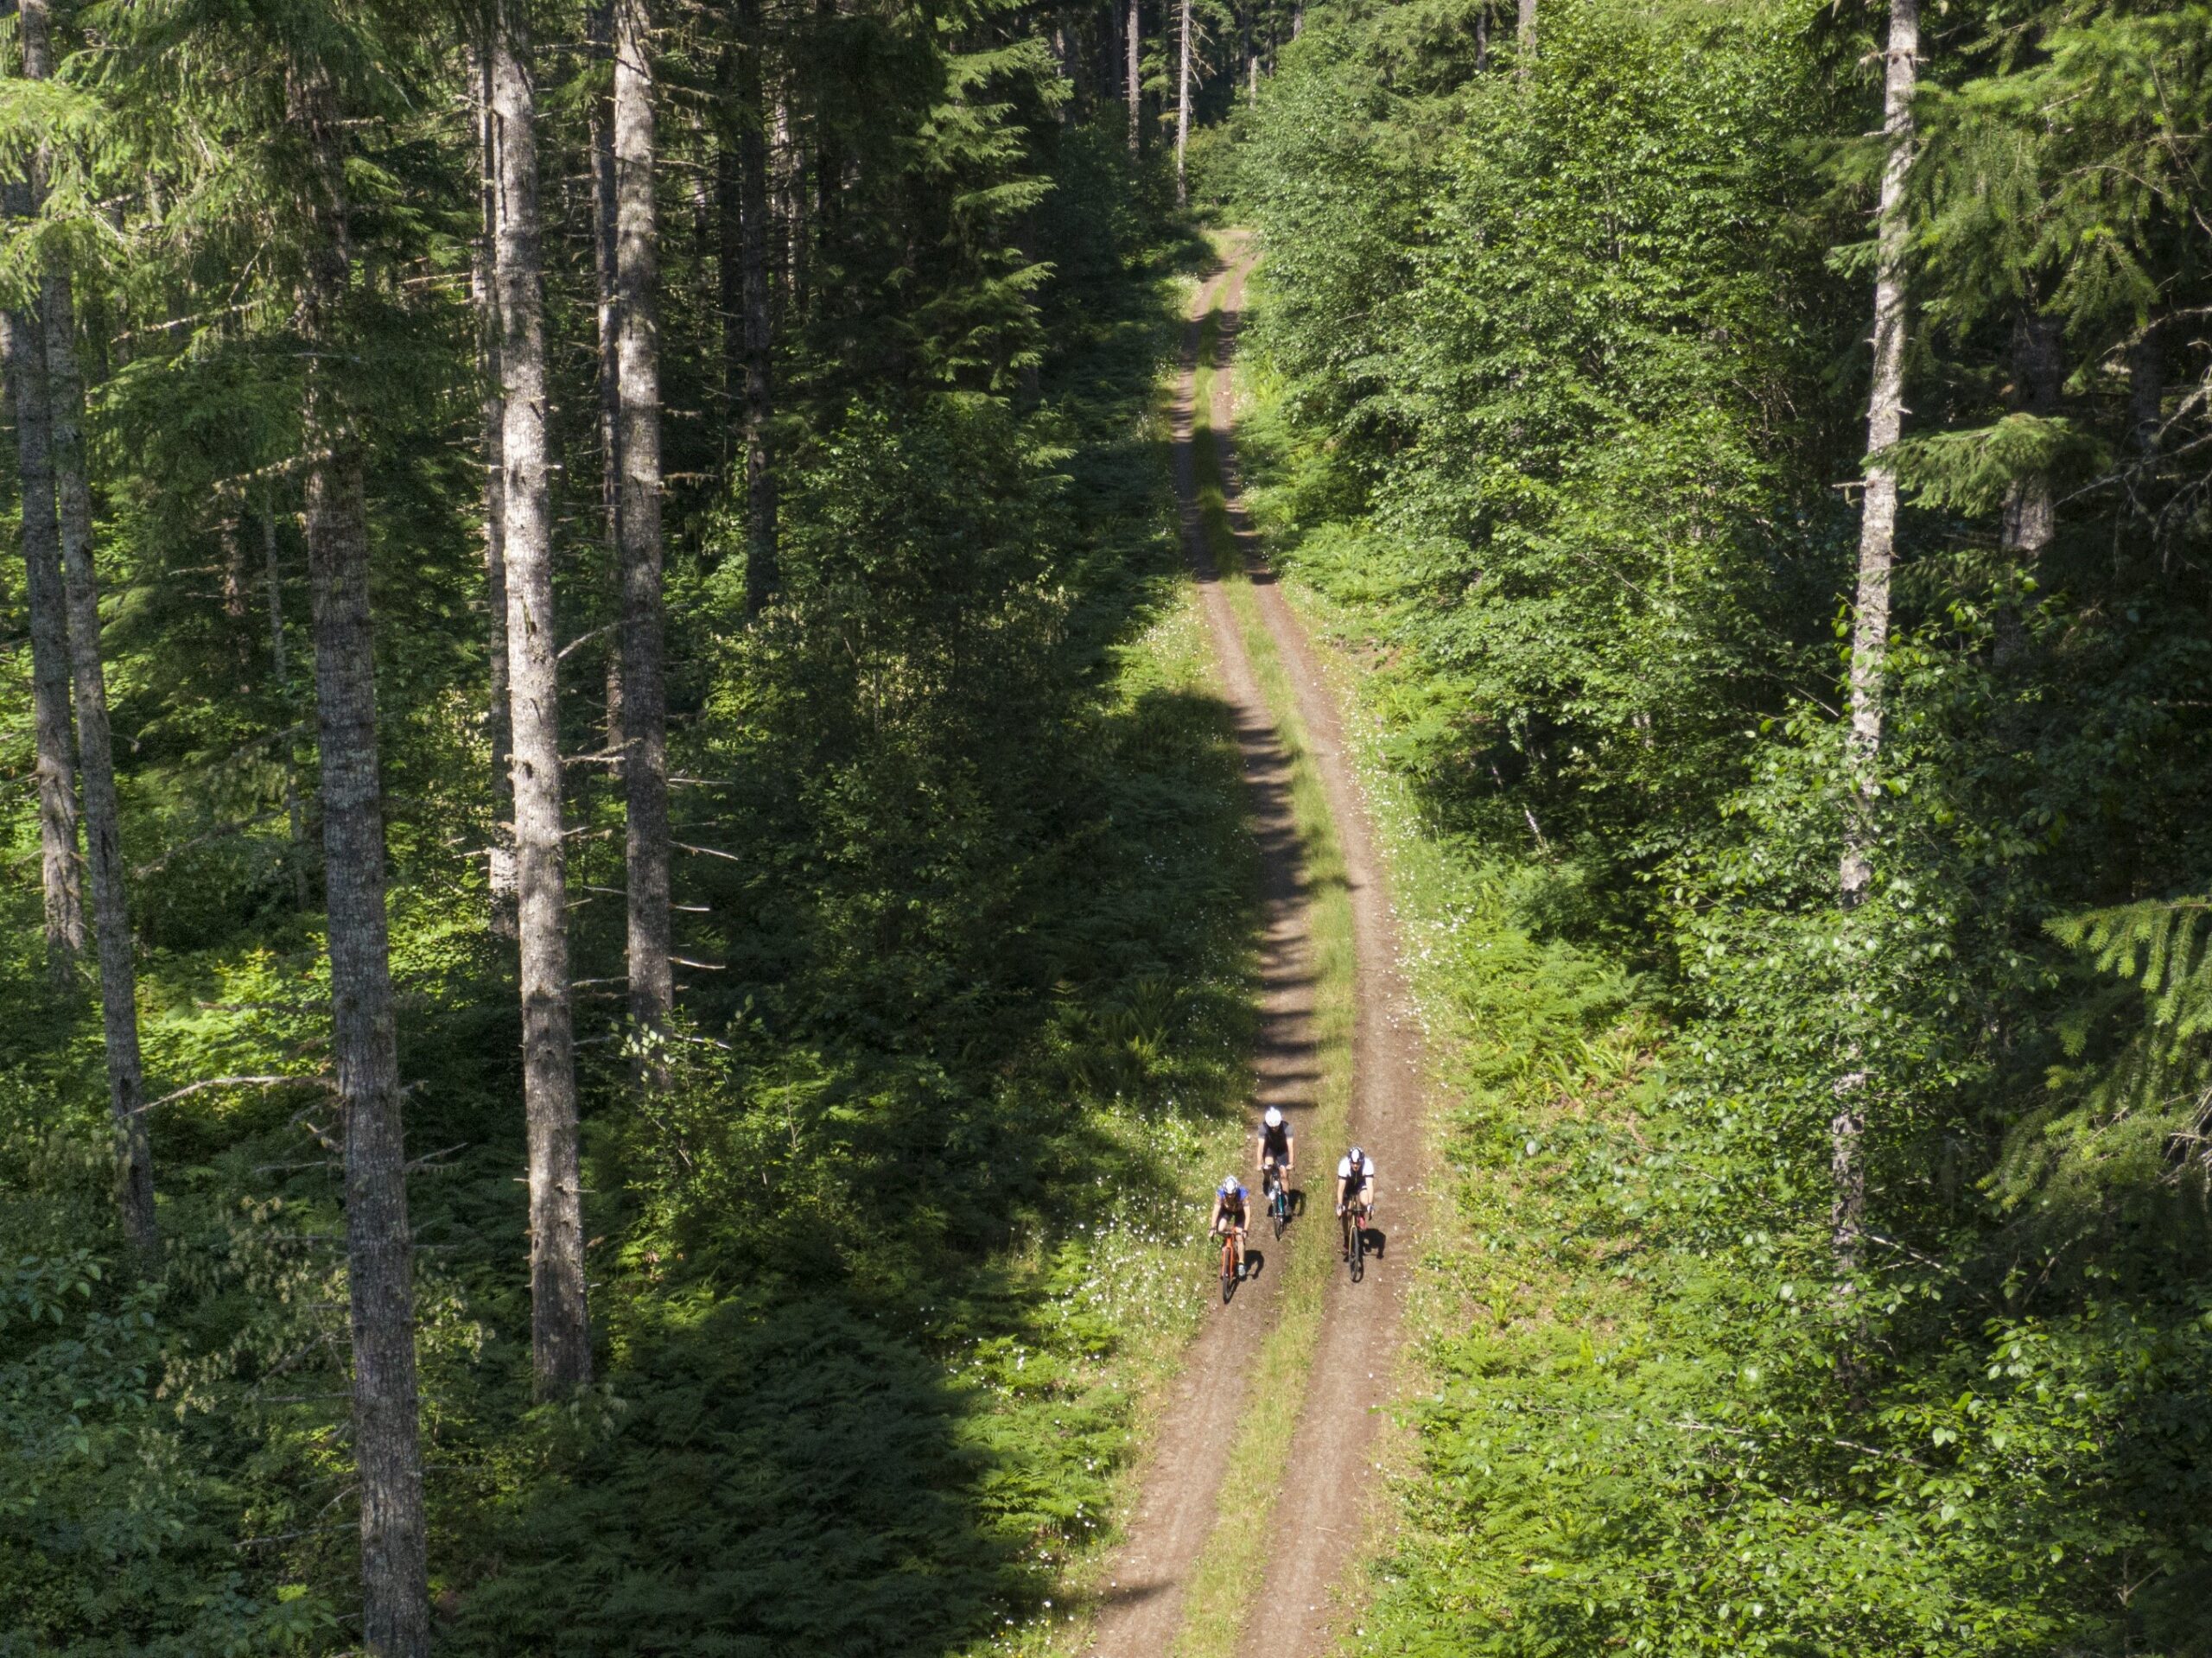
1358 1248
1281 1205
1228 1271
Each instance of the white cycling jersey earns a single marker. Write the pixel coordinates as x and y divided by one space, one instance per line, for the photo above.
1366 1168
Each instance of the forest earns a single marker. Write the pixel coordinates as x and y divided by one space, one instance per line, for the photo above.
642 892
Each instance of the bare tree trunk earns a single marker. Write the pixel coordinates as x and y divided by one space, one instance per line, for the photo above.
1870 631
72 503
644 722
1482 38
762 578
22 357
730 238
601 27
1183 107
1132 84
560 1331
2029 517
379 1248
1524 39
500 856
280 676
2038 371
788 160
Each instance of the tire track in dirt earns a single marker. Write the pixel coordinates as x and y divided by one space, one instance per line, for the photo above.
1140 1601
1331 1491
1329 1494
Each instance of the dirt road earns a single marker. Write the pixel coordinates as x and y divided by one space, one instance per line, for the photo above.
1318 1518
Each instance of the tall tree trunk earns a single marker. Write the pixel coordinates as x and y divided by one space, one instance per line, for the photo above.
729 241
1251 65
1524 39
762 578
379 1248
560 1331
22 357
644 719
1132 82
603 211
500 856
1183 107
788 160
72 504
1870 631
281 676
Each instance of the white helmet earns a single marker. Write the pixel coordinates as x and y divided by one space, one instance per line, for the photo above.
1272 1119
1230 1187
1357 1157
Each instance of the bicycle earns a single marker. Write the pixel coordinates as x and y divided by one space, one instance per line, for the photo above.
1355 1240
1278 1198
1230 1273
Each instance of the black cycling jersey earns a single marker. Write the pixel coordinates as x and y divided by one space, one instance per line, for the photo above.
1275 1142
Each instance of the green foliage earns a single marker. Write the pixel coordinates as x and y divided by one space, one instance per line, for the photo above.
1561 372
964 905
1555 347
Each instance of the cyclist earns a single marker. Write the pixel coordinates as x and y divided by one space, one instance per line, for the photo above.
1355 1190
1276 1150
1231 1208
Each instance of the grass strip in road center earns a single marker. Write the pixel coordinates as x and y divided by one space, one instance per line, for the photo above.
1228 1573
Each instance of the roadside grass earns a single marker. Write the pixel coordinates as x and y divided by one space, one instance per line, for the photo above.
1227 1578
1154 1281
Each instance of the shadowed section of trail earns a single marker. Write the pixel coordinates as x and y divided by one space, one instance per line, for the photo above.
1140 1603
1329 1491
1326 1500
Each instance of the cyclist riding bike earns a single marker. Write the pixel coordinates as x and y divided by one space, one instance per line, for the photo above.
1277 1151
1231 1210
1354 1192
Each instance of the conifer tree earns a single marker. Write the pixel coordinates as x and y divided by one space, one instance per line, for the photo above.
644 738
560 1332
1183 105
745 142
379 1250
1133 73
608 316
1869 629
72 503
498 716
23 359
